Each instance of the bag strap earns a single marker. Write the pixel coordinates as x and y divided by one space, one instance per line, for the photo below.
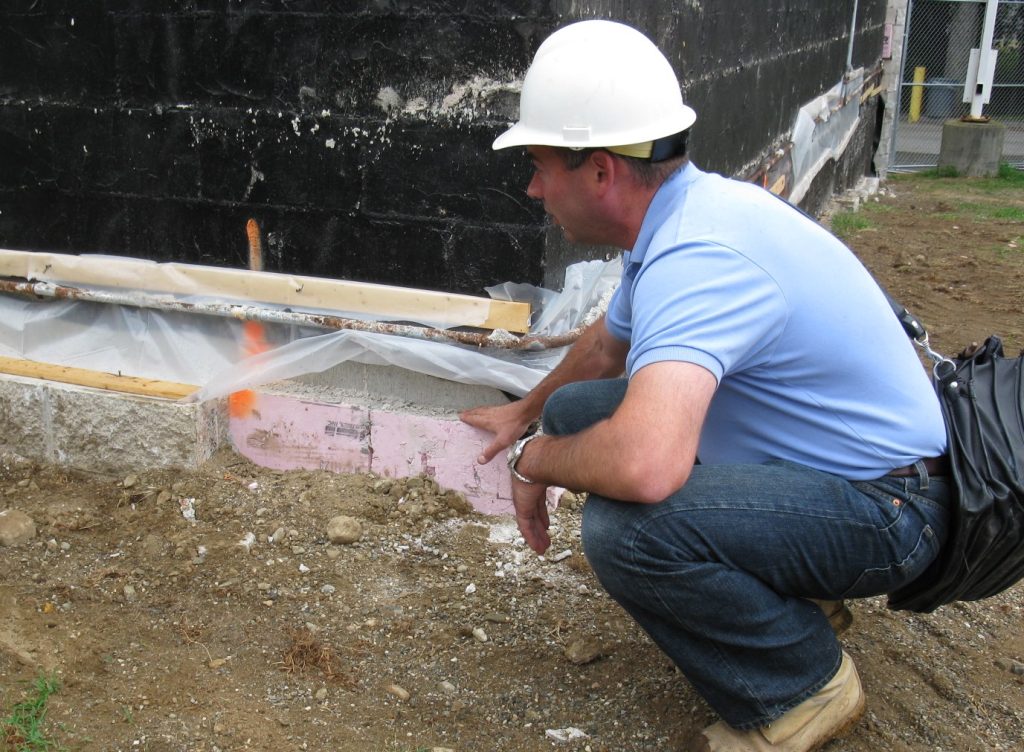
943 367
911 324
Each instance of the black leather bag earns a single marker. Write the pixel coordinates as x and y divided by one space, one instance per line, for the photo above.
982 397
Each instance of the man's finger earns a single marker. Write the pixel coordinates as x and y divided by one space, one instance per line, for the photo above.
489 453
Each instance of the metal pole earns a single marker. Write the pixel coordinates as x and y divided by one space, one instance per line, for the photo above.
986 62
899 84
853 30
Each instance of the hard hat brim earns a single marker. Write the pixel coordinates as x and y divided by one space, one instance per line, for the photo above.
522 135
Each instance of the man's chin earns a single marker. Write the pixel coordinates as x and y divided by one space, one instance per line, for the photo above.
565 232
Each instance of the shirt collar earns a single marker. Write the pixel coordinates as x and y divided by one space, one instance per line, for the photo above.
667 198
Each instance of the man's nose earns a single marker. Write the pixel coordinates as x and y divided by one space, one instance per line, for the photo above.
533 190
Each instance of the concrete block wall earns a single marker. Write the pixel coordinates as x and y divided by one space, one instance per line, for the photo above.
358 134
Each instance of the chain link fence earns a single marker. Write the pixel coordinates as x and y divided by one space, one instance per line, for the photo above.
939 37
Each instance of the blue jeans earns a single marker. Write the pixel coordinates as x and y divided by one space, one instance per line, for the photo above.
719 572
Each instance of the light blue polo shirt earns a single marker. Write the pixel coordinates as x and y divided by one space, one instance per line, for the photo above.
812 365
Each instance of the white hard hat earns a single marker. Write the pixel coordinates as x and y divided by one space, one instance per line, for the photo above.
598 84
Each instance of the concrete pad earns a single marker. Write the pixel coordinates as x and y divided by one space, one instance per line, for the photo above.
972 149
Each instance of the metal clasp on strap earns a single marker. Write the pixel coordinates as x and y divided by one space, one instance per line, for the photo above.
944 367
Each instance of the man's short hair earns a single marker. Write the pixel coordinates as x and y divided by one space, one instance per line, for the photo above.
648 173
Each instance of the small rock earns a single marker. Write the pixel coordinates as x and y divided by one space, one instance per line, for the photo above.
584 650
130 481
327 589
277 536
129 593
448 688
153 545
400 692
321 694
479 634
15 527
565 734
343 529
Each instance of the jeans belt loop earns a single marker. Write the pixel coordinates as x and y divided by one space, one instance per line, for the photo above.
922 475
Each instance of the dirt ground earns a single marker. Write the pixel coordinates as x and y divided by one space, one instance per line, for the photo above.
438 629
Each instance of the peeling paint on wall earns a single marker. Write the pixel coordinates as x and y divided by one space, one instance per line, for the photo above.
357 134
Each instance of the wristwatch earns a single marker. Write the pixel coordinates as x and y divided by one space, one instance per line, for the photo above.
515 452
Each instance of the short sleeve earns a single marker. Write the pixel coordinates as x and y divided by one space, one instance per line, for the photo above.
704 303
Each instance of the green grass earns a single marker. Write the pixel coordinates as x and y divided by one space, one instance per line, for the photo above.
21 730
986 211
940 172
845 224
1011 251
1008 179
1008 176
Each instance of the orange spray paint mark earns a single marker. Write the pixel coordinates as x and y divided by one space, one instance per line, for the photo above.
242 404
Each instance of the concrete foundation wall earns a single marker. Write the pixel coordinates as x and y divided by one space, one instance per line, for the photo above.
291 425
90 429
358 134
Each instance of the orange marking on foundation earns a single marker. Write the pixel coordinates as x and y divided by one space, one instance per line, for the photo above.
242 404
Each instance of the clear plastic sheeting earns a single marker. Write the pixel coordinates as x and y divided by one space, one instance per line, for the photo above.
220 355
588 286
822 130
118 339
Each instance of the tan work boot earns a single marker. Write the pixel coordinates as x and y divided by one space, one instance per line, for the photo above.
838 615
827 715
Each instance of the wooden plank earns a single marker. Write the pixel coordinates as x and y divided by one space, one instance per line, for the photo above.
382 302
111 382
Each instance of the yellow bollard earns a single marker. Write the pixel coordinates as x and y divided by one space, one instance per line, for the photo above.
916 95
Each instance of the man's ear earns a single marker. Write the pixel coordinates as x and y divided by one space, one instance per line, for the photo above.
605 166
